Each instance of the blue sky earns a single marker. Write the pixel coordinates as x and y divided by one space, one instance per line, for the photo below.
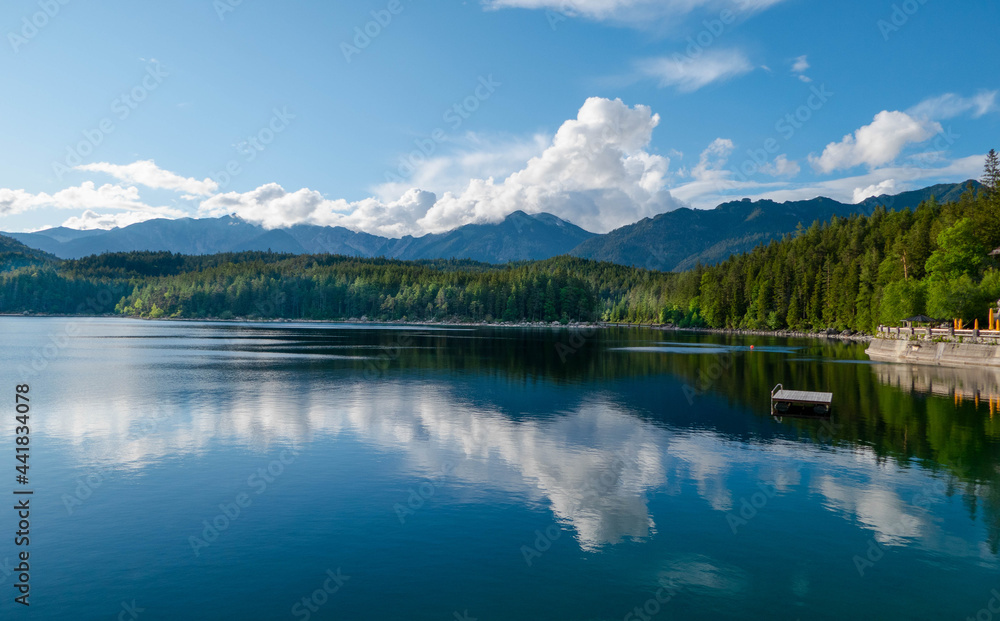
406 117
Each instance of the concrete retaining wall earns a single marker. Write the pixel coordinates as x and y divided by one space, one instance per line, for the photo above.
927 352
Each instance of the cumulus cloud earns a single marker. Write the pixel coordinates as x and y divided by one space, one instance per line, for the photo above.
85 196
710 180
273 207
708 176
636 12
688 74
92 220
883 187
713 159
877 143
147 173
781 167
799 68
950 105
894 521
471 156
908 176
595 173
845 189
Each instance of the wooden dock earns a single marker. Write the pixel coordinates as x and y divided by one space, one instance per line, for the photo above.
787 401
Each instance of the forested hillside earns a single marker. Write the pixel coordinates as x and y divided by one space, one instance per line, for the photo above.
862 271
14 254
268 285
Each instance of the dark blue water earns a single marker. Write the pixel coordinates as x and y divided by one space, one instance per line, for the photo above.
305 471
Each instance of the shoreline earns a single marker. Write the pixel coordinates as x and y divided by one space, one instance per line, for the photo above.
829 334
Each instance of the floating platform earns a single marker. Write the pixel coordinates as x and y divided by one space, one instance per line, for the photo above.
801 402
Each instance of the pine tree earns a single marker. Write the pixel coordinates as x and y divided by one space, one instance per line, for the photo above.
988 220
991 173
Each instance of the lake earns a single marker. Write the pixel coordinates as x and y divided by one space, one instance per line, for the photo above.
186 470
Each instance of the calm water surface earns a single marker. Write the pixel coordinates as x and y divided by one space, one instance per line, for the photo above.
474 473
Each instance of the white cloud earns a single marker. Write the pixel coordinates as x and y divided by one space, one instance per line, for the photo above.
710 178
595 173
799 68
713 158
93 220
634 12
84 196
273 207
883 187
710 193
877 143
471 156
781 167
877 508
688 74
147 173
950 105
846 188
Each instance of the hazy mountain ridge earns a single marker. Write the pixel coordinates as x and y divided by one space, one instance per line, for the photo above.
675 240
519 237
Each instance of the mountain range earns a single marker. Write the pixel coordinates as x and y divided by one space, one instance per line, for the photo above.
672 241
680 239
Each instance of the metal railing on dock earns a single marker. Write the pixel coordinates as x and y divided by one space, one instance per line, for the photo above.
930 333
